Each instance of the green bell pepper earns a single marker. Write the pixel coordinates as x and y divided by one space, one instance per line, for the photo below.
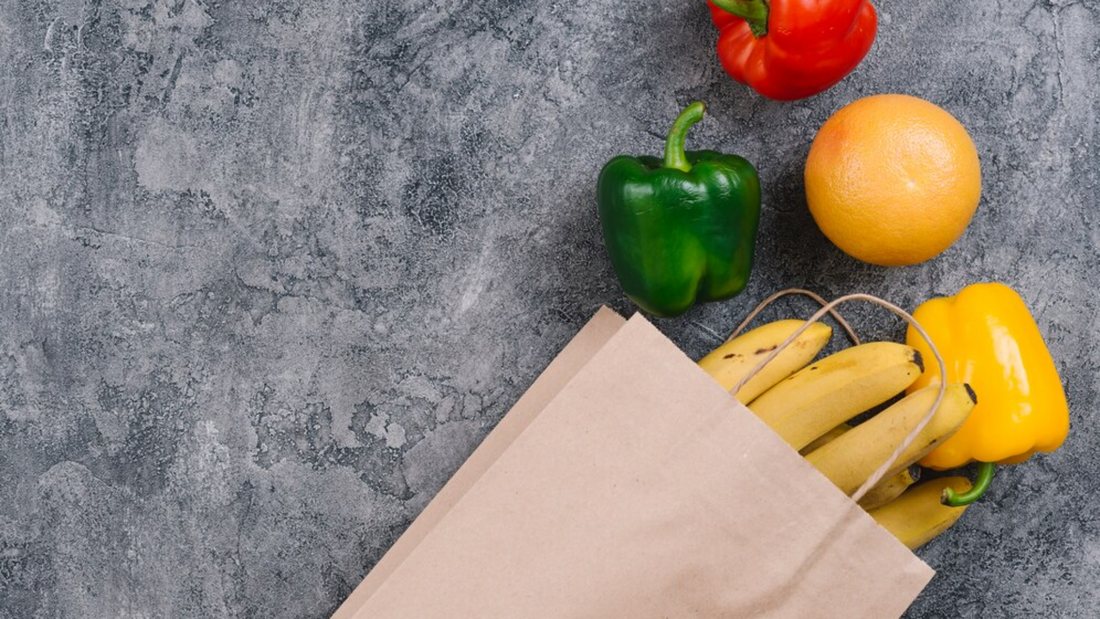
680 231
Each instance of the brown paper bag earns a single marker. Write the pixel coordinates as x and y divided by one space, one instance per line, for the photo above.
627 483
570 360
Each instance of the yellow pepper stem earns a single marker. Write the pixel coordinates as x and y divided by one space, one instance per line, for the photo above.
981 484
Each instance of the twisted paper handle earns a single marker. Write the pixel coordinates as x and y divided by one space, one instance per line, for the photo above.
827 308
782 293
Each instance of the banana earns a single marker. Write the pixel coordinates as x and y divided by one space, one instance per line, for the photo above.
833 390
917 516
828 437
887 490
730 362
850 459
890 488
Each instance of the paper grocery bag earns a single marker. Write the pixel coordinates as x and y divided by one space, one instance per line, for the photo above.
570 360
627 483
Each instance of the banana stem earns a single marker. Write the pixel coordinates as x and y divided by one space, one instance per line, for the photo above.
981 484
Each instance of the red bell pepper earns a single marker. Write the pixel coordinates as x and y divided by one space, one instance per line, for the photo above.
792 49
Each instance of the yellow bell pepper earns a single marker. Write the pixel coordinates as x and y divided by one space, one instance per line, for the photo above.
989 340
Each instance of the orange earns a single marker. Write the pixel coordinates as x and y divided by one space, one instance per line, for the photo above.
893 179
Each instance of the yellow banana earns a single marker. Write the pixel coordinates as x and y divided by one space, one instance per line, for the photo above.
917 516
828 437
831 391
850 459
730 362
890 488
887 490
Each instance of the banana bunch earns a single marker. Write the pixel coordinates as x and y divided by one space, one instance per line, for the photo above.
809 403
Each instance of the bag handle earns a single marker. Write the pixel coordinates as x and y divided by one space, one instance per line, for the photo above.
827 308
808 293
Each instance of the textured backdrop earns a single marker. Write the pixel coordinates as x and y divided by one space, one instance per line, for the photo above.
269 270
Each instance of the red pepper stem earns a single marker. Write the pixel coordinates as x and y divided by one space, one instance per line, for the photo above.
675 157
754 12
981 484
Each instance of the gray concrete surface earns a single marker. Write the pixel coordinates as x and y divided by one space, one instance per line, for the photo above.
269 270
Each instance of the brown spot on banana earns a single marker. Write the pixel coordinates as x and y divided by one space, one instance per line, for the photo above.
733 360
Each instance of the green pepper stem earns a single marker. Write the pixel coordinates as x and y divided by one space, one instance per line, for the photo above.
981 484
754 12
675 157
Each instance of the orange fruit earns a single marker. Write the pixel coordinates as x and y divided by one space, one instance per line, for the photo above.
893 179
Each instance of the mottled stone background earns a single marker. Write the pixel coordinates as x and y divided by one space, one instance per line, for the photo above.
269 270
